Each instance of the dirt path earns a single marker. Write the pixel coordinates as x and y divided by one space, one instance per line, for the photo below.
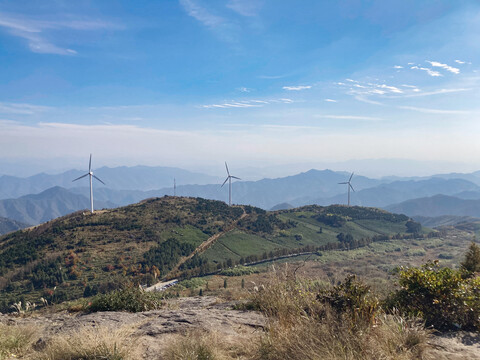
203 246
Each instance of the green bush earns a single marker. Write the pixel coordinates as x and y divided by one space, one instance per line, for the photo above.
240 271
441 296
353 298
130 298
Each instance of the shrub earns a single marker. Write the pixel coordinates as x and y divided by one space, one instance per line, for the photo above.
306 322
240 271
354 298
440 296
129 298
471 263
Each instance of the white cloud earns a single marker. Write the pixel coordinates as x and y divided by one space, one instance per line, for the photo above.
201 14
445 66
429 71
460 62
21 109
246 103
35 30
297 88
330 100
349 117
245 7
244 89
398 67
435 111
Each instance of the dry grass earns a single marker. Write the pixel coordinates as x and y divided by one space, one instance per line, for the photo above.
301 327
99 343
16 341
200 345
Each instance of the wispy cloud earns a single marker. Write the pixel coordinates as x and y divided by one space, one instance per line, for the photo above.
460 62
35 30
435 111
349 117
444 66
398 67
245 7
246 103
201 14
244 89
330 100
21 109
428 70
297 88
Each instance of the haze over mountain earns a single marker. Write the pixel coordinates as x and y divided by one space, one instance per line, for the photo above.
38 208
437 205
312 187
119 178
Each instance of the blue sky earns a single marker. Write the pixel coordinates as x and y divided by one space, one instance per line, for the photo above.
192 83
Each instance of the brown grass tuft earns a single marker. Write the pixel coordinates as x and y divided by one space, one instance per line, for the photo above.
16 341
93 344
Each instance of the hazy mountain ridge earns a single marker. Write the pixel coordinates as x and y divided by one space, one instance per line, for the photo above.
312 187
120 178
49 204
437 205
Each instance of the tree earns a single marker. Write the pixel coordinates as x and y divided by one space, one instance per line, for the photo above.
413 227
471 264
225 283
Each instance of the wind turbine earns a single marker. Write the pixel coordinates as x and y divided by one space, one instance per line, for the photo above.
349 186
229 179
90 173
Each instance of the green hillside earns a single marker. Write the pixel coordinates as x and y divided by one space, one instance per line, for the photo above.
82 253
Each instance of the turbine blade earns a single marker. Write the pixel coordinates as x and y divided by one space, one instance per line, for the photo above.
350 178
344 183
90 164
99 180
226 166
225 181
81 177
352 187
234 177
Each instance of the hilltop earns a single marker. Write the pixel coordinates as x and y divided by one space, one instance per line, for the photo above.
9 225
82 253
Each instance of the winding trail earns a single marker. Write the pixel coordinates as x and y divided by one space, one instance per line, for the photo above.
204 246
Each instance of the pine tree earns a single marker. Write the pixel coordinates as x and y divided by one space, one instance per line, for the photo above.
471 264
225 283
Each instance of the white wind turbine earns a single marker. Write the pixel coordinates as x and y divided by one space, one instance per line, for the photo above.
349 186
90 173
229 179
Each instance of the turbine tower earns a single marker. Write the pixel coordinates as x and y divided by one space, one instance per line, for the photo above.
229 179
174 187
90 174
349 186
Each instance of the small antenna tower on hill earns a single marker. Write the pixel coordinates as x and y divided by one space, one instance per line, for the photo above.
349 186
90 174
229 179
174 187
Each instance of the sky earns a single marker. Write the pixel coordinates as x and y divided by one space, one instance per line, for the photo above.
388 86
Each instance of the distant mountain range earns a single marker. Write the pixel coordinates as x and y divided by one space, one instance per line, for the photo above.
120 178
128 185
49 204
437 205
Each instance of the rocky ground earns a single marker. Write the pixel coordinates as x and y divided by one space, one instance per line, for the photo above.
155 330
